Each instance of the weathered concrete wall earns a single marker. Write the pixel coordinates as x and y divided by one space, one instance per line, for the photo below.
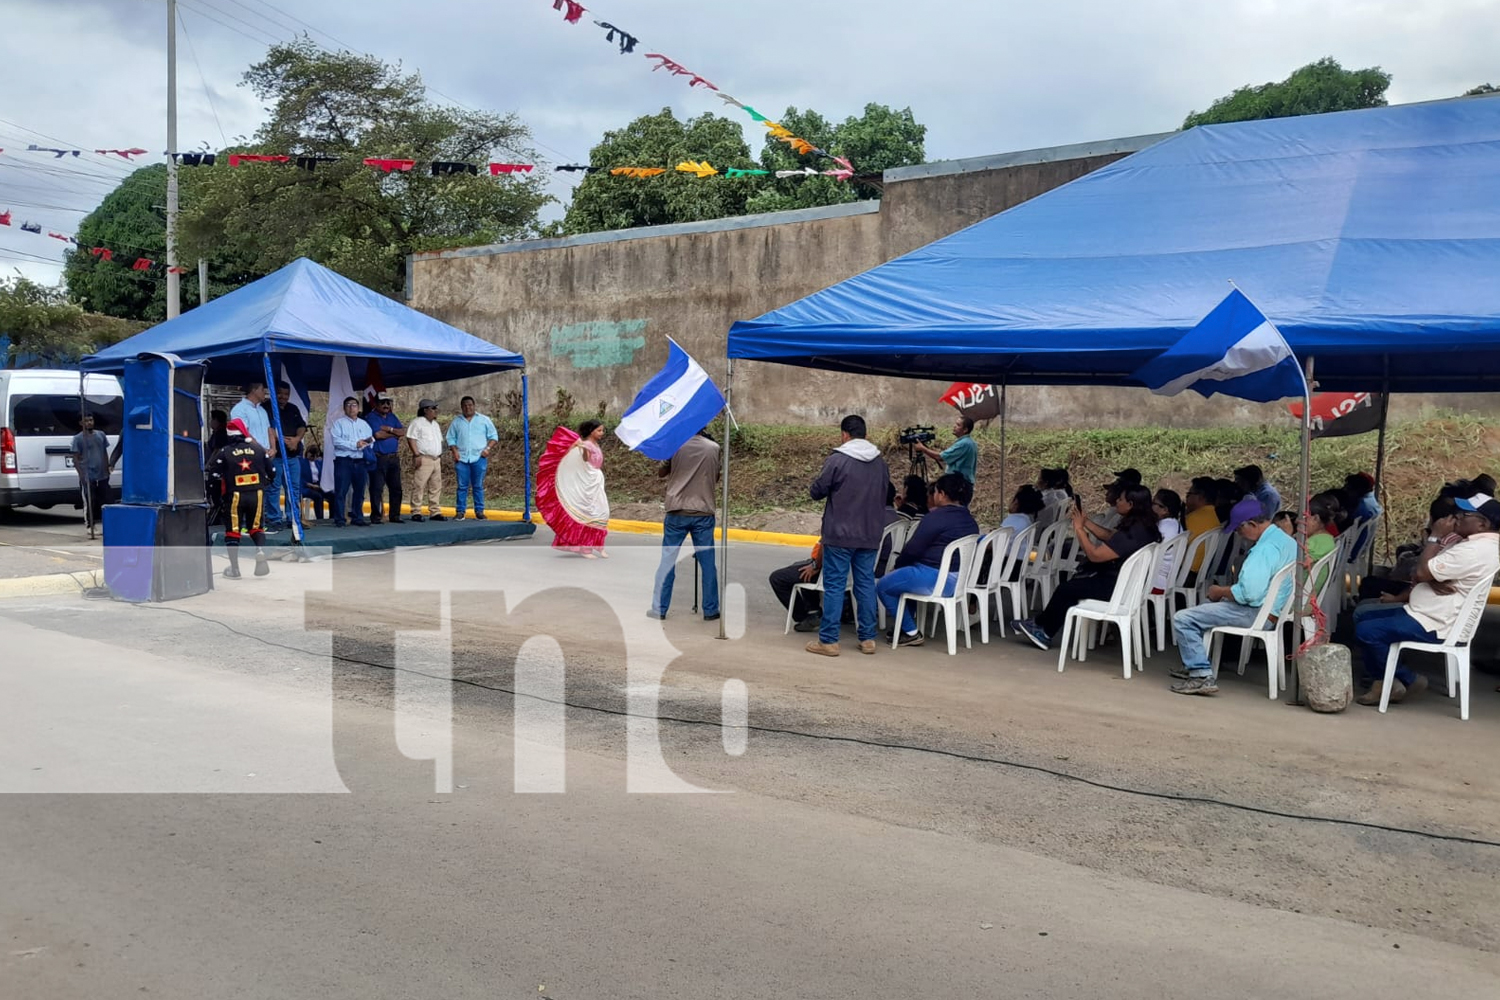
592 314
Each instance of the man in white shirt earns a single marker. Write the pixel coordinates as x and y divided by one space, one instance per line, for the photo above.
424 436
1444 577
351 436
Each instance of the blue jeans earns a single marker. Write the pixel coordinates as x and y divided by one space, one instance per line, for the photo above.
349 475
272 503
1378 629
1189 627
470 477
837 564
918 579
293 487
675 528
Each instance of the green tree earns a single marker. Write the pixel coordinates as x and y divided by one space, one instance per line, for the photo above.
878 140
355 219
41 321
1483 88
1312 90
131 222
603 201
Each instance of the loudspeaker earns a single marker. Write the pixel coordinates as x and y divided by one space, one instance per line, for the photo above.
163 454
156 553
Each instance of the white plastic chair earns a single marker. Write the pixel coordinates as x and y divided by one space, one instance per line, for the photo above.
1351 565
1123 610
954 607
1208 544
985 586
898 532
1039 569
1018 553
1330 562
1169 554
1455 650
817 585
1262 629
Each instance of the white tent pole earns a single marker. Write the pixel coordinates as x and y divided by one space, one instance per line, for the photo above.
285 463
724 506
1004 501
1299 577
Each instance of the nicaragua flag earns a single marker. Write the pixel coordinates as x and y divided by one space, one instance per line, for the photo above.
677 403
1235 350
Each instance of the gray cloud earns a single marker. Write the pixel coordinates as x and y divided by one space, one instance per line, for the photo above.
983 77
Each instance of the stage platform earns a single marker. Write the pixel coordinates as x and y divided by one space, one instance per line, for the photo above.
322 535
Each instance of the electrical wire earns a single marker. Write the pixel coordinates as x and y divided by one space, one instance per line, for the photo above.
863 741
193 49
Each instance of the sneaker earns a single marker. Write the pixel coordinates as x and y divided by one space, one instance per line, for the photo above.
808 624
1372 696
1031 630
231 573
1196 685
911 639
655 615
1179 674
867 646
711 618
479 515
823 648
262 568
435 517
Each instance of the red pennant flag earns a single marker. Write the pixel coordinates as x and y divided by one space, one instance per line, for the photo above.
141 264
496 169
388 165
123 154
4 218
60 236
102 253
177 270
235 159
374 384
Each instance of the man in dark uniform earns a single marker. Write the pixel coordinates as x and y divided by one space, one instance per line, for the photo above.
243 473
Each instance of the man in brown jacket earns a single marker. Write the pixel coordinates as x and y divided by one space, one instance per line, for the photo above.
691 475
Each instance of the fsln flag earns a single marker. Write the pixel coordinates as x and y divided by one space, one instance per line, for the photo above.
1235 350
677 403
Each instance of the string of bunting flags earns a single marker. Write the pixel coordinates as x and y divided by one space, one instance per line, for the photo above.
99 253
573 14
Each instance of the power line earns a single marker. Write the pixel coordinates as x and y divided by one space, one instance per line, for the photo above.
212 11
202 79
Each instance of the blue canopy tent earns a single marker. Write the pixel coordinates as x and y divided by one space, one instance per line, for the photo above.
1370 238
304 315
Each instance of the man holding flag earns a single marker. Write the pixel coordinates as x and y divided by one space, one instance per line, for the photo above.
664 422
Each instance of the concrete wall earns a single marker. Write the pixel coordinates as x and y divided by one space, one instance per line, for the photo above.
592 313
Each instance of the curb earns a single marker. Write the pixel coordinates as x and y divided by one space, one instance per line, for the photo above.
652 528
51 583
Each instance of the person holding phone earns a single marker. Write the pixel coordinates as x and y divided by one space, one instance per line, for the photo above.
351 436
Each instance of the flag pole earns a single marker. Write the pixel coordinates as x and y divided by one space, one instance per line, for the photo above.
1004 503
724 506
525 450
1385 405
1299 579
286 467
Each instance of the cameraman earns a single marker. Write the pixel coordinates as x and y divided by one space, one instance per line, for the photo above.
962 455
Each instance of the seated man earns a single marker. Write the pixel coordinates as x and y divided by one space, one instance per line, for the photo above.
948 519
1271 551
807 612
1443 579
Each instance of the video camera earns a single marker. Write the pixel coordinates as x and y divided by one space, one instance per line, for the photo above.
917 435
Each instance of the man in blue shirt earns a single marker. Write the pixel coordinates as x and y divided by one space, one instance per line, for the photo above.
351 436
386 476
252 412
1253 481
1272 550
962 456
471 435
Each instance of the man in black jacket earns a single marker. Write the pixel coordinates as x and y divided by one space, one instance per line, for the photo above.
947 520
242 472
854 484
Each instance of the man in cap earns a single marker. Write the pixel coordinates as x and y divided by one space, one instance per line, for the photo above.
1237 606
385 477
242 470
425 439
1443 578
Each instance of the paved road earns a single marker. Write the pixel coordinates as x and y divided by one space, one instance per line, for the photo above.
34 542
793 885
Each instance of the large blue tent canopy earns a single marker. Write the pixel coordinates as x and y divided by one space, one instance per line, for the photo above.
1370 238
304 314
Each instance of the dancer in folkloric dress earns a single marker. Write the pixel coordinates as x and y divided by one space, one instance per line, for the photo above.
570 490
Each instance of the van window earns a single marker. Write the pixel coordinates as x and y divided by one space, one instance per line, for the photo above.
59 415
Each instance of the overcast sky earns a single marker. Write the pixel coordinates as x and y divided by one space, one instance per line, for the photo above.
984 77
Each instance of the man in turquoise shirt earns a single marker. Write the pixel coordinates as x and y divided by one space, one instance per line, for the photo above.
471 435
962 456
1271 551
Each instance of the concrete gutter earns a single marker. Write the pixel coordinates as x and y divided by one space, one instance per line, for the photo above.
650 528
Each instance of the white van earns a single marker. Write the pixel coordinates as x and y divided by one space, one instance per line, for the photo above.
40 411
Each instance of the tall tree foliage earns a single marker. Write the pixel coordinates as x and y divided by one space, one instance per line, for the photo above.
1312 90
878 140
41 322
362 223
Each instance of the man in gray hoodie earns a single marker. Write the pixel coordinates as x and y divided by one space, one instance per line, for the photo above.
854 483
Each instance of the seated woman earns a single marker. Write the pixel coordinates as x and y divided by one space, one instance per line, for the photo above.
1167 506
947 520
912 501
1056 489
1105 551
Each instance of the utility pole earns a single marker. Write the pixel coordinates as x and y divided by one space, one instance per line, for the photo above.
174 280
